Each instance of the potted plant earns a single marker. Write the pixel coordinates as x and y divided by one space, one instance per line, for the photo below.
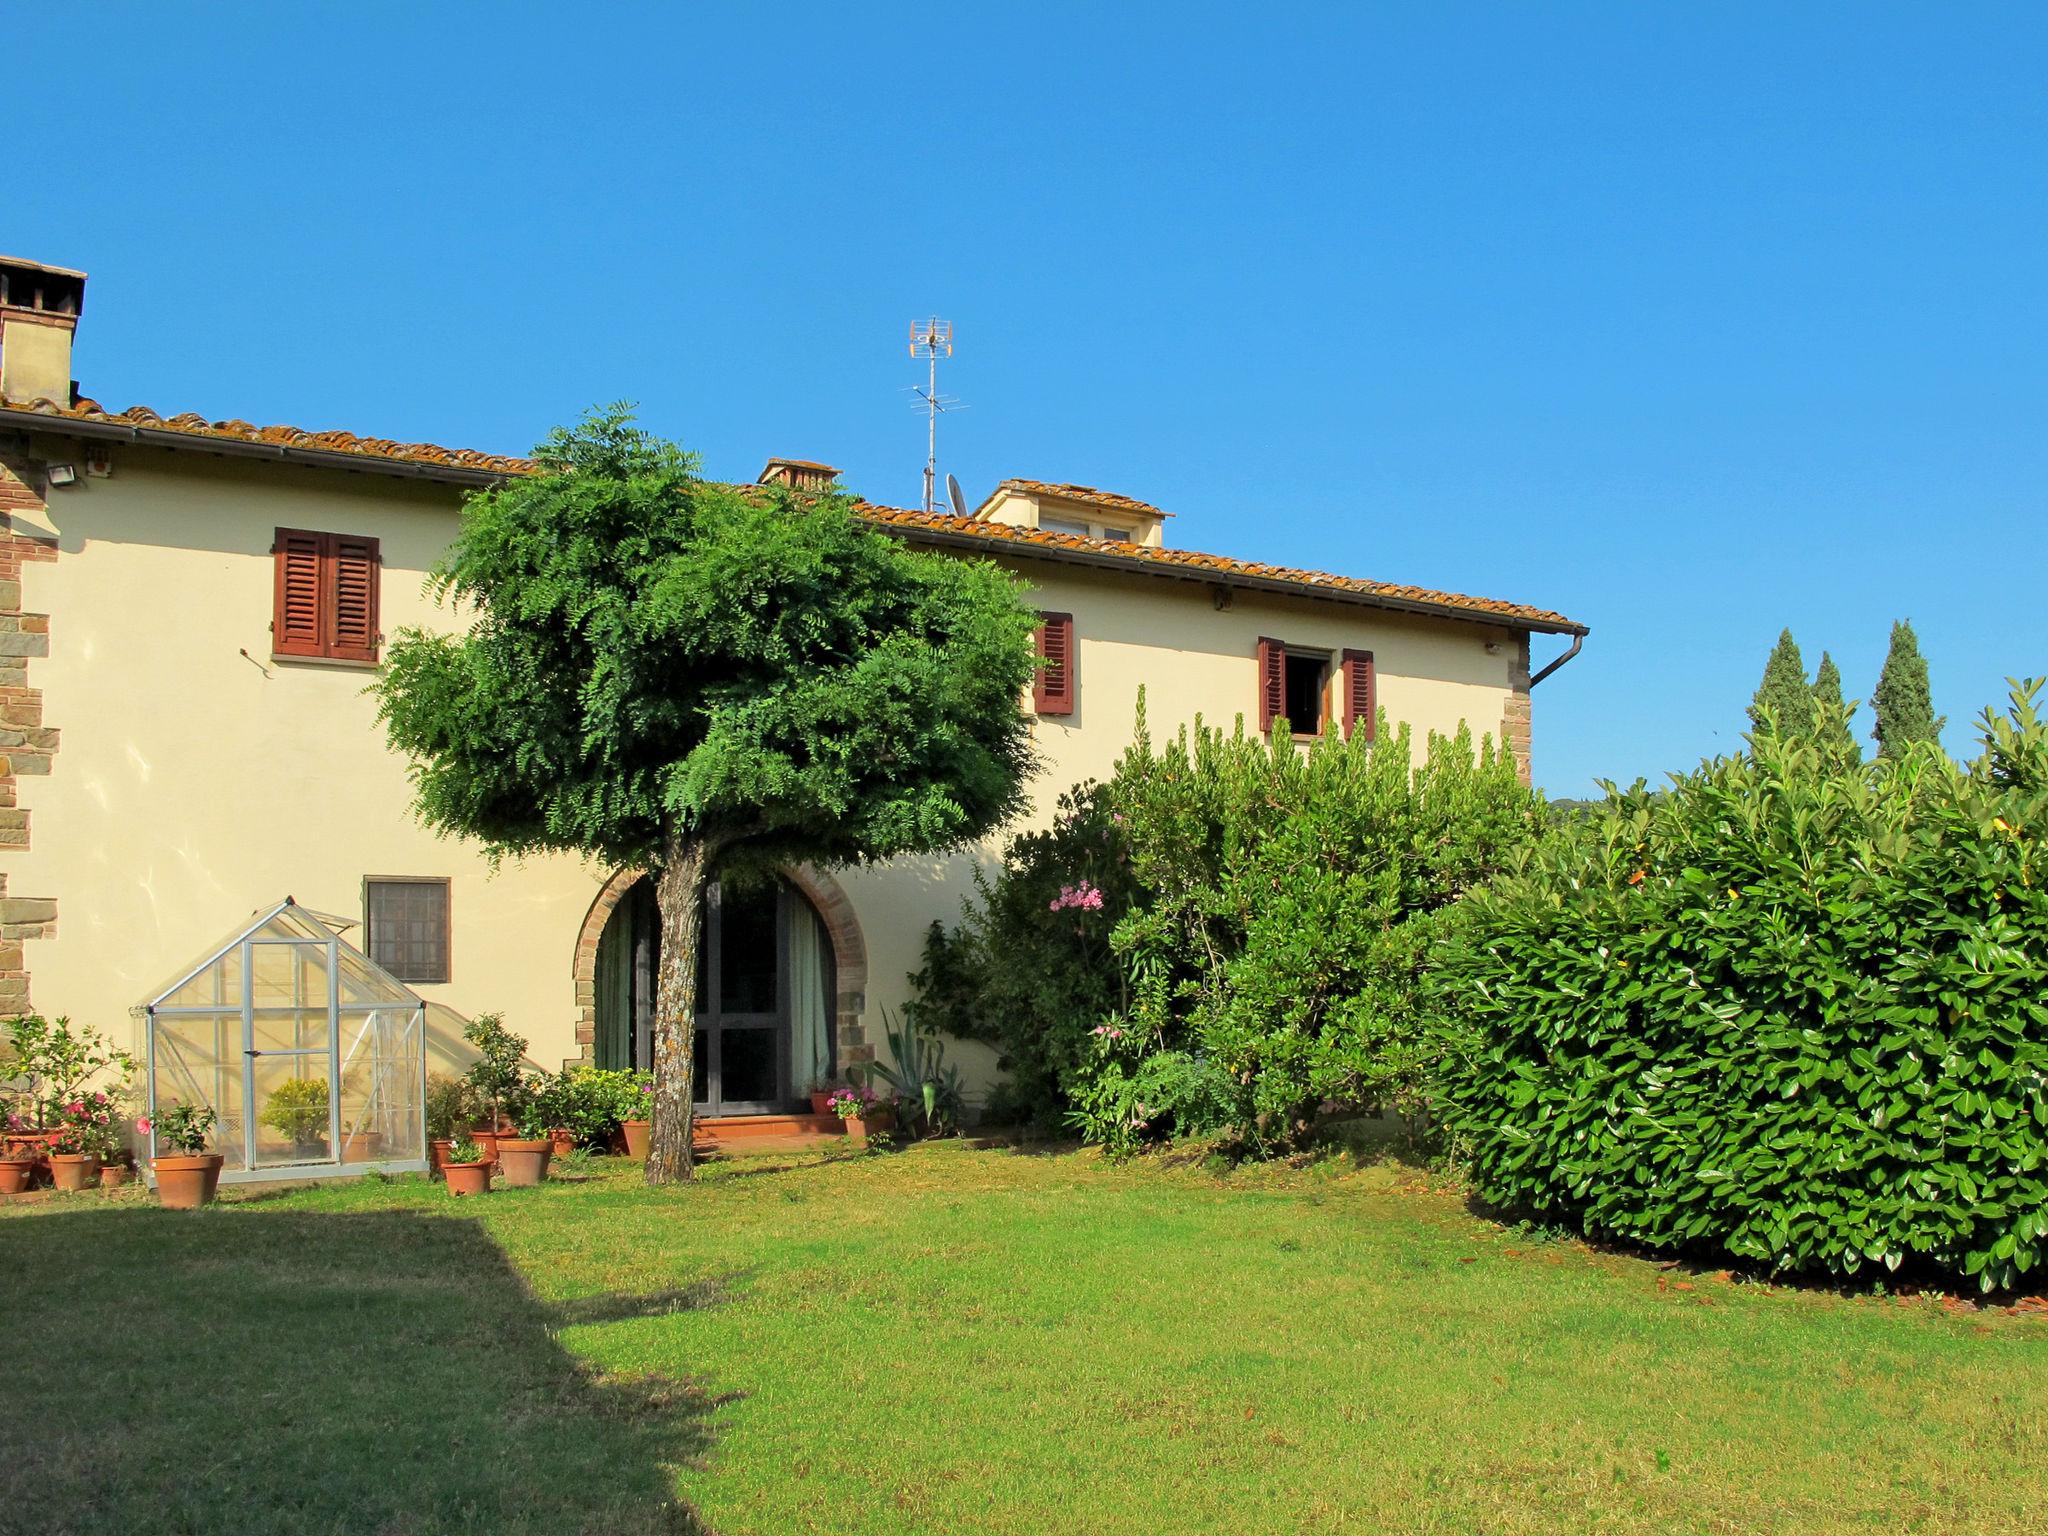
84 1141
860 1111
638 1129
465 1167
18 1158
446 1107
118 1174
821 1097
297 1110
187 1175
54 1060
524 1151
497 1078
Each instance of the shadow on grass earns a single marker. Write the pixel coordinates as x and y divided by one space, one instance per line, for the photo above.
281 1373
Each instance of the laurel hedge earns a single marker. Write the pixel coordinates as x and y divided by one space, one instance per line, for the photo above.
1785 1012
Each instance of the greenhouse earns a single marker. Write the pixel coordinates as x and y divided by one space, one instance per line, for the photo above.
311 1054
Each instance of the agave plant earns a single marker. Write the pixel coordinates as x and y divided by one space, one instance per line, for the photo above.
917 1076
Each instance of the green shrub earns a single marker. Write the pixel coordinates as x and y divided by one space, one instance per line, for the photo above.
1789 1010
297 1110
1230 933
589 1102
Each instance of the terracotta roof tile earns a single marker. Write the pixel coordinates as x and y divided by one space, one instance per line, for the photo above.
1222 566
1087 494
1113 552
194 425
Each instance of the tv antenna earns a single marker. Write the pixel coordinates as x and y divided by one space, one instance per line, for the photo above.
931 339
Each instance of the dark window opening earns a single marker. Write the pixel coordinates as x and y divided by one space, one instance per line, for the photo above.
1304 693
405 924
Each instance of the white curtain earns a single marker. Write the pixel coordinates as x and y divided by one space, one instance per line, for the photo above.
810 997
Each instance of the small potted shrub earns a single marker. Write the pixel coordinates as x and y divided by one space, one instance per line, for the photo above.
297 1110
466 1169
187 1175
17 1164
118 1172
446 1108
860 1111
85 1138
497 1078
523 1152
639 1129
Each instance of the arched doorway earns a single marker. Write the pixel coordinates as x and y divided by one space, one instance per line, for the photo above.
769 997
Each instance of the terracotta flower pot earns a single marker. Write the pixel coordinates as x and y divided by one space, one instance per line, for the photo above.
363 1147
467 1178
186 1180
15 1173
874 1122
638 1134
524 1162
116 1176
563 1140
821 1101
72 1171
487 1143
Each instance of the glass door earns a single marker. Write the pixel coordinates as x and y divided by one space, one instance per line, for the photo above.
742 1002
289 1110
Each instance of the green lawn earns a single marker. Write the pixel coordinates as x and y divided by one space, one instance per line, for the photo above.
952 1340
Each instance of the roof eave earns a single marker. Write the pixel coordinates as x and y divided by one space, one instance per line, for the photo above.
243 448
1239 580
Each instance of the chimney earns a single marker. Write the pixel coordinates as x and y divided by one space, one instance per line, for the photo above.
798 474
39 308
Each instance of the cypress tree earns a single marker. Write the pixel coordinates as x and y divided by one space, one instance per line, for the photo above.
1904 702
1831 715
1784 691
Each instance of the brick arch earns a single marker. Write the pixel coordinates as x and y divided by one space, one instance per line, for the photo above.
849 958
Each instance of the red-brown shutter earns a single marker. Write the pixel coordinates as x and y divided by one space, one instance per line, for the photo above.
1053 691
1361 706
354 636
1272 683
298 620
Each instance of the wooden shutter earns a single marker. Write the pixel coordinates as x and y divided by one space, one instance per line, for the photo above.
1053 691
354 636
1361 705
1272 683
298 622
326 603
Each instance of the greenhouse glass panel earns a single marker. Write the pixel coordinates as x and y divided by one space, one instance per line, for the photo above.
311 1055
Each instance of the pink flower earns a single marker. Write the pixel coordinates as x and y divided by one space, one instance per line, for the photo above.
144 1126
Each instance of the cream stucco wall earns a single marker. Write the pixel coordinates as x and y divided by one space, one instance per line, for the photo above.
199 779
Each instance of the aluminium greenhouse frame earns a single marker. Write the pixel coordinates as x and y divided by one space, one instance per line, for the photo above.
381 1008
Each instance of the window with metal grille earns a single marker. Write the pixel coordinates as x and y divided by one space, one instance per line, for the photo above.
405 922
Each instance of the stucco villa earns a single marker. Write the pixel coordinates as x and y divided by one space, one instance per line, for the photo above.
190 611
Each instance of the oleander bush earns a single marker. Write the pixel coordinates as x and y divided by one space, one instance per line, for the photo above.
1230 935
1788 1011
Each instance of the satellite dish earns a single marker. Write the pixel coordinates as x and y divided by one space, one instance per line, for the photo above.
953 495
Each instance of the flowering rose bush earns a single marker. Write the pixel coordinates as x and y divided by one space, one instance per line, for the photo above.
86 1127
181 1130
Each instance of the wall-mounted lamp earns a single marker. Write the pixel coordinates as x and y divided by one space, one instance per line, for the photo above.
62 474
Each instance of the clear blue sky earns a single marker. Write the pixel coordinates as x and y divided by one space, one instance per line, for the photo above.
1691 322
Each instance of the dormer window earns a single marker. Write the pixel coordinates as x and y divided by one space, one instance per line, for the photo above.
1065 525
1116 535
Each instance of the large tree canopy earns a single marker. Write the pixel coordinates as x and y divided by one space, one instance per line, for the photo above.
667 671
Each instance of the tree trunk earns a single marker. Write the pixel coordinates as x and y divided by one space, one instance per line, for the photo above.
679 902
